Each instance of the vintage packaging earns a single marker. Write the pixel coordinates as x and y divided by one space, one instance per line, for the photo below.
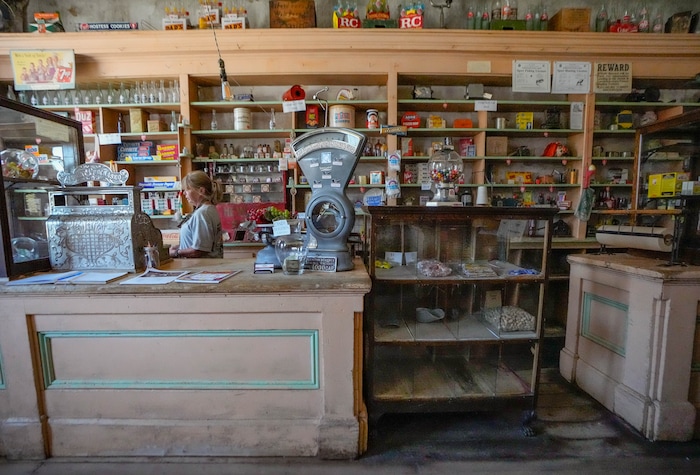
666 184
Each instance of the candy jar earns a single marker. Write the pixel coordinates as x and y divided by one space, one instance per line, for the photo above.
446 169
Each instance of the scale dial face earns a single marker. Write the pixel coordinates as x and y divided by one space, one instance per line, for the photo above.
328 216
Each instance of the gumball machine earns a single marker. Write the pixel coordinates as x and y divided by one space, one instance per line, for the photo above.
446 172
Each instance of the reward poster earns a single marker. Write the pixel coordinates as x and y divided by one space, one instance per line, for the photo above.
43 69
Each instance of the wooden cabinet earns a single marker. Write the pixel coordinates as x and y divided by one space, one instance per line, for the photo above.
455 318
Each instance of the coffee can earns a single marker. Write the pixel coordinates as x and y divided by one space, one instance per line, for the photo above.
372 118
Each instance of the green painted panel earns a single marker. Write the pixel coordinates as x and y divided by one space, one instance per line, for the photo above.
588 300
52 382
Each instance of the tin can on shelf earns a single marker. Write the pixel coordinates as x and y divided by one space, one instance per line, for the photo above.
342 116
372 118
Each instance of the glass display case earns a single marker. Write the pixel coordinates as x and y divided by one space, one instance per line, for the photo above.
454 319
35 146
667 191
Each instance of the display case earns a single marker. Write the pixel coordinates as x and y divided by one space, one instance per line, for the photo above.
35 146
666 191
454 319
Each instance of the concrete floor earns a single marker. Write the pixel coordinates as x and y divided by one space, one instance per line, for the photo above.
575 435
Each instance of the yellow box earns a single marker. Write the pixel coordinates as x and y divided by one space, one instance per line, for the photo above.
519 178
666 184
137 120
524 120
496 146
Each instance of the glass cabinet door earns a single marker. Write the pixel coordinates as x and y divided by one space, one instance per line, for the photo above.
35 146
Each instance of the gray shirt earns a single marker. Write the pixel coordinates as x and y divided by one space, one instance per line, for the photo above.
202 231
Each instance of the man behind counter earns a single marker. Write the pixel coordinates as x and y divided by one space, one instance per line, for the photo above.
200 231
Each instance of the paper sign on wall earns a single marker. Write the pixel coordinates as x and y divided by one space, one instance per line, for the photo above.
612 78
571 77
531 76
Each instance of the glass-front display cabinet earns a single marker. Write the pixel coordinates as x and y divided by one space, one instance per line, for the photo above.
454 319
35 146
667 191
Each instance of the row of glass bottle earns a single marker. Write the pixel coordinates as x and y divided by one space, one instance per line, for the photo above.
629 20
536 18
140 93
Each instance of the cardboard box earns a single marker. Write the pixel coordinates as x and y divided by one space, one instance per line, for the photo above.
137 120
690 188
496 146
155 126
571 19
663 185
524 120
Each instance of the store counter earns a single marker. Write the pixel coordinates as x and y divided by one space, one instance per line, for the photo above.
633 340
257 365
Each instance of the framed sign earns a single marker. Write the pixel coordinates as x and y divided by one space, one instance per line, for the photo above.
35 70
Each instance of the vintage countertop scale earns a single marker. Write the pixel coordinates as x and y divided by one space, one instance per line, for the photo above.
327 158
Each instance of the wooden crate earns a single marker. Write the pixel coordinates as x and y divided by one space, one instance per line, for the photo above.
292 14
571 19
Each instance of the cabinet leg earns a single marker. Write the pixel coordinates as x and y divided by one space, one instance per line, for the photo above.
528 418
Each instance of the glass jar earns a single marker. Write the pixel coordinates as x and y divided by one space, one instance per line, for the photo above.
446 172
291 251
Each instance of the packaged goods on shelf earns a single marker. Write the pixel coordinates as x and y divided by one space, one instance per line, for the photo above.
137 120
496 146
524 120
666 184
690 188
571 19
167 151
155 126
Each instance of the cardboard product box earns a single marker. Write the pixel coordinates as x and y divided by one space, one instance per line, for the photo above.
137 120
155 125
524 120
690 188
666 184
292 14
496 146
571 19
87 118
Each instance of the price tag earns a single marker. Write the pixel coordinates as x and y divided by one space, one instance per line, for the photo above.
281 228
293 106
486 106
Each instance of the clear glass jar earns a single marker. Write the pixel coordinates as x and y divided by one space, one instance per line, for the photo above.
446 172
291 251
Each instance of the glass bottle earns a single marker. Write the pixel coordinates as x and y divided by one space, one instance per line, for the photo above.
601 20
161 92
144 92
273 122
122 94
224 151
137 93
110 94
175 92
658 25
152 93
173 121
11 93
486 20
496 10
121 125
529 20
643 24
33 99
544 19
471 21
214 122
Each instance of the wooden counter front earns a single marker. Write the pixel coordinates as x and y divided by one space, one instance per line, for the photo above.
257 365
